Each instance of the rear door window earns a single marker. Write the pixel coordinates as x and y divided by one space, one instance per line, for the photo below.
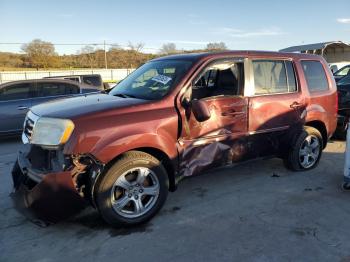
15 92
292 82
273 77
50 89
72 89
315 76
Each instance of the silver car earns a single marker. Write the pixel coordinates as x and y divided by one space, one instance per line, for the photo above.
17 97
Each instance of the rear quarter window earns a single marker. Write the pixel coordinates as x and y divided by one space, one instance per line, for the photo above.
315 76
92 80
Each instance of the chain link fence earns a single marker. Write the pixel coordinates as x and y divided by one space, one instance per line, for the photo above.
108 75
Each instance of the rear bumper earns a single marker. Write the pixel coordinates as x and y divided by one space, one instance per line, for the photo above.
50 197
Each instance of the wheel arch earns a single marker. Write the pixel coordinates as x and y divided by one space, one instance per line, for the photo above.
321 127
167 162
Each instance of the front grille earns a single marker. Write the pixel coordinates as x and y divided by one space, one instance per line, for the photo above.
28 127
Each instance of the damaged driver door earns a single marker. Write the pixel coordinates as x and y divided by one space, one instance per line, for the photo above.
214 118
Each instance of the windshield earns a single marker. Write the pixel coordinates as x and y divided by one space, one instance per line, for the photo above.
153 80
344 81
342 71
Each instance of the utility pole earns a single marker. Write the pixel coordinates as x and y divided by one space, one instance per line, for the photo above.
104 47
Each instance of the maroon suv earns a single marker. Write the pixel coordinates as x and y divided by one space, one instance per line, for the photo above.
173 117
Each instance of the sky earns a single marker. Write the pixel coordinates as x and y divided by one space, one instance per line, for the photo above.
242 25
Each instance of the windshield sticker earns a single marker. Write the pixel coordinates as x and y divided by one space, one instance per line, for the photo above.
161 79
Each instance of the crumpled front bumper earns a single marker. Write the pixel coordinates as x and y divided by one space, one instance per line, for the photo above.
50 197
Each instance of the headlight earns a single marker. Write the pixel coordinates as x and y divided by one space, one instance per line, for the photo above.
51 131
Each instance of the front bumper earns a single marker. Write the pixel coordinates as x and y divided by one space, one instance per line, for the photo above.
51 197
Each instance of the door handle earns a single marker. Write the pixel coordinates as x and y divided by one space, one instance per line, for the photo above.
22 108
295 105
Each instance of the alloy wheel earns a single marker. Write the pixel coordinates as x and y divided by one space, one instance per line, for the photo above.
135 192
309 151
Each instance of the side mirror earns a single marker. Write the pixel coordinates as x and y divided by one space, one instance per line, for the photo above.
200 110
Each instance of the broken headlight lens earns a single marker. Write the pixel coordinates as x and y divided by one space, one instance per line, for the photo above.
52 131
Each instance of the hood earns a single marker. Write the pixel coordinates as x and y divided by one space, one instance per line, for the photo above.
77 106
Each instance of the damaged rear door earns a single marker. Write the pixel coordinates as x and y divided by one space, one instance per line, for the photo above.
276 105
221 139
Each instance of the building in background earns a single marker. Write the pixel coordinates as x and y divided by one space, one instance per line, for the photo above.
336 53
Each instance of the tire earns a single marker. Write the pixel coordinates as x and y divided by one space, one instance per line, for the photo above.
132 190
306 151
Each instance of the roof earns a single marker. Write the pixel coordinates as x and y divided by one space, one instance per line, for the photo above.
222 54
323 45
46 80
61 76
189 57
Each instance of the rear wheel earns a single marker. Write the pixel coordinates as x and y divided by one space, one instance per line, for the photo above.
133 190
306 151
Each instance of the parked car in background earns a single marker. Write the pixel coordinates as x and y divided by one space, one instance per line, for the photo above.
343 87
336 66
17 97
173 117
92 79
342 72
110 84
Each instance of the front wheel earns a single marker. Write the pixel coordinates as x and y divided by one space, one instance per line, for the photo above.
306 151
133 190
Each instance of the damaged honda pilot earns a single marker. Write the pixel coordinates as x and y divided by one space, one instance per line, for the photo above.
173 117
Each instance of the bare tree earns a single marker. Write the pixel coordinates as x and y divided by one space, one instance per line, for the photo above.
88 49
169 48
115 47
88 53
40 53
216 46
136 47
87 57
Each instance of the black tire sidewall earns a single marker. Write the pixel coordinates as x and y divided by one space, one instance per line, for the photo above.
104 186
